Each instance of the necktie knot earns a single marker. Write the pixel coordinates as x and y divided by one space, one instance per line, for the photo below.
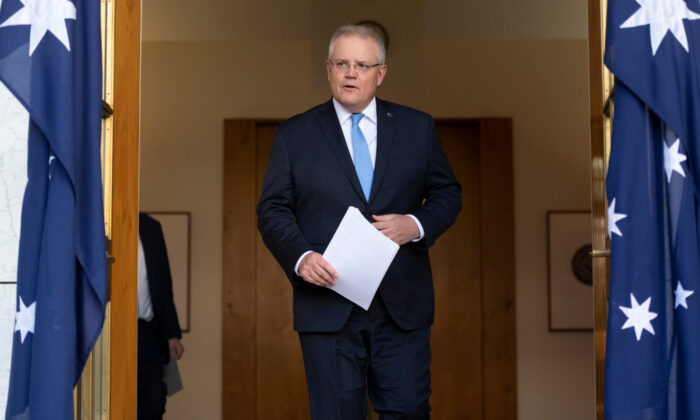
356 118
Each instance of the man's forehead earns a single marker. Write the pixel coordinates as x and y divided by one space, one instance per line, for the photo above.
352 39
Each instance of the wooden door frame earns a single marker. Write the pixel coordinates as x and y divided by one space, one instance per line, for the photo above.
601 246
125 189
239 317
498 268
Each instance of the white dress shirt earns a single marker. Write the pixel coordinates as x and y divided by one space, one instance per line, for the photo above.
368 126
145 306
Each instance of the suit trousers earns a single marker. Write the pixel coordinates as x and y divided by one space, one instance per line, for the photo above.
151 389
371 356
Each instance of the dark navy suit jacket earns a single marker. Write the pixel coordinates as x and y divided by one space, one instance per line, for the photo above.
311 181
160 283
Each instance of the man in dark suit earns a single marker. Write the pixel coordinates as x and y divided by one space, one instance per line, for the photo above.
159 330
387 160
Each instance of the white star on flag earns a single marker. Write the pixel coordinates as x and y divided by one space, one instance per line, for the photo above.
613 218
682 295
673 159
24 319
43 16
662 16
639 317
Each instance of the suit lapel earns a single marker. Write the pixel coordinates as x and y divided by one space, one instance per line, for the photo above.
386 129
146 236
328 120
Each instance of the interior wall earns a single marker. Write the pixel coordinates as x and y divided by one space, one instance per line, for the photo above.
210 62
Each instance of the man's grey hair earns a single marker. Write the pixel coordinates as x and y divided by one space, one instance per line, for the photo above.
361 31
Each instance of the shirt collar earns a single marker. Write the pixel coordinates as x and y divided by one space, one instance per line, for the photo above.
343 114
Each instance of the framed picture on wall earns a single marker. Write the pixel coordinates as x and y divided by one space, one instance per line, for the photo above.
570 270
176 229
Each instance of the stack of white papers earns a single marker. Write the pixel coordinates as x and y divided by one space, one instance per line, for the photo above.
361 255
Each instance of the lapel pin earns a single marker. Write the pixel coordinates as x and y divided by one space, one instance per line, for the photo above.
389 114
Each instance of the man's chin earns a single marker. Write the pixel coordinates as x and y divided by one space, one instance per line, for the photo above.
351 104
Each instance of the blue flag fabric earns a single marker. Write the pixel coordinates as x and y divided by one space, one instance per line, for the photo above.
652 368
50 58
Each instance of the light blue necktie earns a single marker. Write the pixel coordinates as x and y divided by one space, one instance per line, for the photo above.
360 150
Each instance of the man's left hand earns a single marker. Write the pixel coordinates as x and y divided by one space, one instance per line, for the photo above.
176 348
397 227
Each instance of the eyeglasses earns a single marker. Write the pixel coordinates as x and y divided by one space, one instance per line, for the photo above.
344 66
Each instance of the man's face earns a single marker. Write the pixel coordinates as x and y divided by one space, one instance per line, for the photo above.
354 88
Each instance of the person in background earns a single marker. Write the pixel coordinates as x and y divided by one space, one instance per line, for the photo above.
159 330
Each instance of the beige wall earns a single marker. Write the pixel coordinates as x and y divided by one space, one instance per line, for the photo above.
204 64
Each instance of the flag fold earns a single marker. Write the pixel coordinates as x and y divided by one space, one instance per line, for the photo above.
652 368
50 59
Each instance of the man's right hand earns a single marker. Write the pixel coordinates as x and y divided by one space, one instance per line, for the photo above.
316 270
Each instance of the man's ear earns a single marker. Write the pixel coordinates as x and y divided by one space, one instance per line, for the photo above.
382 72
329 68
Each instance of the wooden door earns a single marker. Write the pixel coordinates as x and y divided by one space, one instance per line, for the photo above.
600 105
473 339
125 199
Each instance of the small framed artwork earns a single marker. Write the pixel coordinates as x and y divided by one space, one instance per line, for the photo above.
176 230
570 270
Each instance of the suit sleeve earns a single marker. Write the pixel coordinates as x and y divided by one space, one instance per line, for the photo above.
276 209
443 194
167 315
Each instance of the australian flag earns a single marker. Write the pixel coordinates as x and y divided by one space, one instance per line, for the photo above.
652 368
50 58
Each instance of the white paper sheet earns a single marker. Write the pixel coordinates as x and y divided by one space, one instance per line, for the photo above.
361 255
